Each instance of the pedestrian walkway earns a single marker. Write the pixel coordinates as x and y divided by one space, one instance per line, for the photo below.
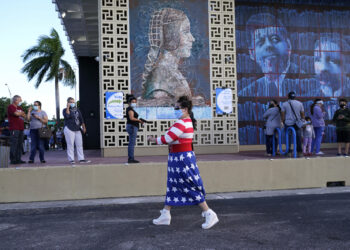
59 158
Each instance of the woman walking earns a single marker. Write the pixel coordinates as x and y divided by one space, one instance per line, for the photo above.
38 119
132 126
273 121
317 118
184 184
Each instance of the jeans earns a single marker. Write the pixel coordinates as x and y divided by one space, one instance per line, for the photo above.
318 139
16 146
132 131
290 138
269 141
36 143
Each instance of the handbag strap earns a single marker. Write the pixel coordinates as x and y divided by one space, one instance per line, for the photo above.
291 106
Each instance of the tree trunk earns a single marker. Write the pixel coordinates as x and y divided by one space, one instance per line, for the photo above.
57 94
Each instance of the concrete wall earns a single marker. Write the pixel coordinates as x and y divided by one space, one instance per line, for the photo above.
162 150
102 181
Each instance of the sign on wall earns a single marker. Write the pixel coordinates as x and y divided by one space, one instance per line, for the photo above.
114 105
223 101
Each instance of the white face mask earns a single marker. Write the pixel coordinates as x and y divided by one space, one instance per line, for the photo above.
72 105
20 103
6 120
133 105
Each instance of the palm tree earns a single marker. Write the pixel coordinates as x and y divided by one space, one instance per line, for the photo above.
46 61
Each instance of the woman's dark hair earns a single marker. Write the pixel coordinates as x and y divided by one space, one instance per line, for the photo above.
130 98
185 102
276 103
70 98
38 102
343 100
313 105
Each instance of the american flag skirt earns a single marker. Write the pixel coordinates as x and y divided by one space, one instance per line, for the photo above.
184 184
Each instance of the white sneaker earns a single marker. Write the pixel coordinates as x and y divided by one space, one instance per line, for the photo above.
210 219
164 218
319 153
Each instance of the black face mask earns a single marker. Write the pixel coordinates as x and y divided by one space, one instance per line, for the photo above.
342 105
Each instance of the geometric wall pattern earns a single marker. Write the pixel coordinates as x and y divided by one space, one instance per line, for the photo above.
114 74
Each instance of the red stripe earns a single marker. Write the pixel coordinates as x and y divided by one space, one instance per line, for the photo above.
179 126
162 138
185 140
172 135
189 130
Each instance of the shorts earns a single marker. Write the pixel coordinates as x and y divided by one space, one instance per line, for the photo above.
343 136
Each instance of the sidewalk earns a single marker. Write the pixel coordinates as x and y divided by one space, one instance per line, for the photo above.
59 158
37 207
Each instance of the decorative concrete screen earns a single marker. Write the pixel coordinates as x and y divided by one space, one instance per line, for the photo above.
120 73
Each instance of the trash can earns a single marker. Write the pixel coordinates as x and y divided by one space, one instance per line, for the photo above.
4 151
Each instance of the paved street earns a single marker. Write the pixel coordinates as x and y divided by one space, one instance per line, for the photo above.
318 221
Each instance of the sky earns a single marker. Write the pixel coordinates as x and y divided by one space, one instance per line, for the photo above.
21 24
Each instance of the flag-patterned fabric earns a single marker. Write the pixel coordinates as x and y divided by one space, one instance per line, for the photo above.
184 184
180 133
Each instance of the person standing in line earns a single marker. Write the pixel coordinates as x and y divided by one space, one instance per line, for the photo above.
73 123
308 137
341 119
16 117
38 119
132 126
184 184
292 112
273 117
317 118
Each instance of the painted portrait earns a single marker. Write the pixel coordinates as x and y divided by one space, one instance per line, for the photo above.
300 46
169 57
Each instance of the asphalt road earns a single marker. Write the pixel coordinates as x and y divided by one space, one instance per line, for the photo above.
319 221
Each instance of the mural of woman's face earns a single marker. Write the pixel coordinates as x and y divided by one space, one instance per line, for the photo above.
186 39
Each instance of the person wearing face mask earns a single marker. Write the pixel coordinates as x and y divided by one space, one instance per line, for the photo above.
5 127
16 117
184 185
38 119
273 121
317 118
132 126
341 119
73 126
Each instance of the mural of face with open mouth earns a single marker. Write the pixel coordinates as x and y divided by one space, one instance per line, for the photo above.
271 50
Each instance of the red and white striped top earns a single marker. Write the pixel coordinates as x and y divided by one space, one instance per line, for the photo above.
180 133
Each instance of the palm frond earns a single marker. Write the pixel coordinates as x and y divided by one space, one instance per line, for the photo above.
68 75
34 66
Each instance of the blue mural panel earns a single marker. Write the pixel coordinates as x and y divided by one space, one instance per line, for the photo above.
284 46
